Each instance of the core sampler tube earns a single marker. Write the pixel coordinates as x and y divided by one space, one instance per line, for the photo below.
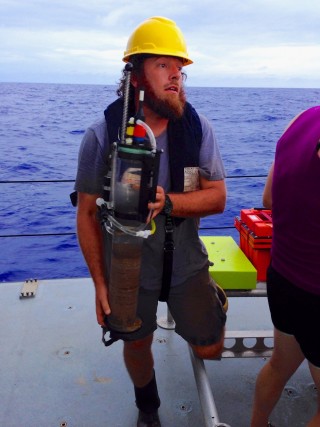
123 283
130 185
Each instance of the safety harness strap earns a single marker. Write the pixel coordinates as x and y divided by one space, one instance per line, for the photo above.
168 249
111 340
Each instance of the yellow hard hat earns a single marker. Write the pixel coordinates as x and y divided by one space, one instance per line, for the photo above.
157 36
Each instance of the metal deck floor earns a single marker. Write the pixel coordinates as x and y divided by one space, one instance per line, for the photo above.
55 372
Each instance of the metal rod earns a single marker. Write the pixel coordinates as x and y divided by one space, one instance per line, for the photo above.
206 398
260 291
249 293
128 69
166 322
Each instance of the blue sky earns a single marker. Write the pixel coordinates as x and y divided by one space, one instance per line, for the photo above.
255 43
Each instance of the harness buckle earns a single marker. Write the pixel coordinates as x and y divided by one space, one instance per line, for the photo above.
169 228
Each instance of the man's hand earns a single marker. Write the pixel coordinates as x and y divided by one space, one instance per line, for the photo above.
102 304
157 206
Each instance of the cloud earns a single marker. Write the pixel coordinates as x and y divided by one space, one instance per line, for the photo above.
241 43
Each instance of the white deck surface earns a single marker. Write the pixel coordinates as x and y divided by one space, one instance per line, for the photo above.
55 372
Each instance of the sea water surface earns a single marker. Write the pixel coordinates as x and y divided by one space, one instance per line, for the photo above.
41 127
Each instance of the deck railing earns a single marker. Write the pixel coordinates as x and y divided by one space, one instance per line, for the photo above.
71 181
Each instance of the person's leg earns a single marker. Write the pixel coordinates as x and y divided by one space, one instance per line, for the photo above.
139 362
315 372
198 309
285 360
138 359
213 351
209 352
137 345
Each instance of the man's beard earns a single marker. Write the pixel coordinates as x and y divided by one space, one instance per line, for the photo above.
171 108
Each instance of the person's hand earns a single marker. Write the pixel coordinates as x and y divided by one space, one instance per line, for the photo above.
102 304
157 206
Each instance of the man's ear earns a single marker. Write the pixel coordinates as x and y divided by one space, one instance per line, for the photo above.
134 81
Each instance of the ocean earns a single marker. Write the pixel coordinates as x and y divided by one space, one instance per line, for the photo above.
41 127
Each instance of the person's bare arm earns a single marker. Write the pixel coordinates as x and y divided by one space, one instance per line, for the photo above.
210 199
90 240
267 195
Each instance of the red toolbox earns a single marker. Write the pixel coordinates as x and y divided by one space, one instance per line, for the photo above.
255 228
259 221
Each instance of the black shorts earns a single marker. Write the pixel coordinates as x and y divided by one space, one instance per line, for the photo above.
295 312
194 306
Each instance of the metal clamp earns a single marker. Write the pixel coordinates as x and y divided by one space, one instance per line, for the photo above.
29 288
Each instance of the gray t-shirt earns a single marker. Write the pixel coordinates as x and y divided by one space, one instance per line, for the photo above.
190 255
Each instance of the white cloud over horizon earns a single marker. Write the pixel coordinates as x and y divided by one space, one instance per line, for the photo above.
253 43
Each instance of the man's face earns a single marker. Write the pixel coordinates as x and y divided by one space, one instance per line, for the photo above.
163 83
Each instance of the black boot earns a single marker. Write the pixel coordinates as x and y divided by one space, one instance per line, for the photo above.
148 402
148 420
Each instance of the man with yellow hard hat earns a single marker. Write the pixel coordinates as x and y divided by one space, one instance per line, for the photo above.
191 185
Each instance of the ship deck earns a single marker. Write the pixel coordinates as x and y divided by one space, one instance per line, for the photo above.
55 372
